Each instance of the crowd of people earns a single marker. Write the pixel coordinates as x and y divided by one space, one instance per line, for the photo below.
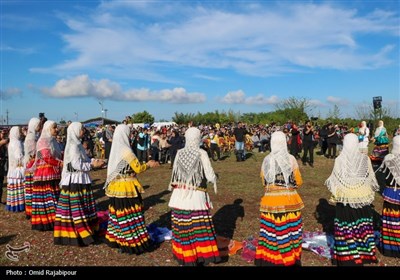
48 178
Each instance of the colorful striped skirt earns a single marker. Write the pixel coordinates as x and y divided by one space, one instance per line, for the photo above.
354 236
126 227
28 193
390 233
45 195
193 237
378 153
76 217
280 238
15 195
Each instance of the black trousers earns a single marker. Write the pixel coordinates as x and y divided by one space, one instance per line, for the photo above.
308 148
331 148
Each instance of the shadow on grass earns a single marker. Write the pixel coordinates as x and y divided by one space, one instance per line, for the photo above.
154 199
325 215
7 239
225 218
225 224
164 220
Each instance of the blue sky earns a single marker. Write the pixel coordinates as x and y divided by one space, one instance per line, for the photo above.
64 57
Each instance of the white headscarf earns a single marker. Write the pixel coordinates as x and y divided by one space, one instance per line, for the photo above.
352 180
47 141
392 161
73 148
30 140
188 168
15 150
363 127
121 153
279 160
379 129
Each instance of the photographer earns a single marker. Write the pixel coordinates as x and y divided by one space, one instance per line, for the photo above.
308 144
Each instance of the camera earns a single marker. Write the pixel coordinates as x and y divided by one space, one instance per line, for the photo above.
41 115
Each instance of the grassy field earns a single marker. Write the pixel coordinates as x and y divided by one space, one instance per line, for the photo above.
239 191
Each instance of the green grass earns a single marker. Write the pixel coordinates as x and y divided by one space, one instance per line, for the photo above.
237 180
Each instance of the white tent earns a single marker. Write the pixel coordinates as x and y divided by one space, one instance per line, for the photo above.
160 124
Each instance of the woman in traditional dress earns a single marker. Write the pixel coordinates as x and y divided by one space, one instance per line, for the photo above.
15 175
46 178
29 159
353 185
363 137
76 216
193 233
381 141
126 227
390 233
279 242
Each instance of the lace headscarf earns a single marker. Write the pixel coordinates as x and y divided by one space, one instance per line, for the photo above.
73 148
352 180
30 139
121 153
188 168
363 127
47 141
278 161
15 149
379 129
392 161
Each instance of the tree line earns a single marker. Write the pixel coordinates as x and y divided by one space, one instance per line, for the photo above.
293 108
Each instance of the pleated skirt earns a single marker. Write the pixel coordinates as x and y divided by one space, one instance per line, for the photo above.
390 233
15 195
45 195
193 237
126 228
354 242
280 238
76 217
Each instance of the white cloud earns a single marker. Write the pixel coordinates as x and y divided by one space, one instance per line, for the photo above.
10 93
206 77
337 100
239 97
234 97
135 37
262 100
83 86
317 103
7 48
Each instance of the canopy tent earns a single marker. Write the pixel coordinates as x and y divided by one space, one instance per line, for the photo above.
95 122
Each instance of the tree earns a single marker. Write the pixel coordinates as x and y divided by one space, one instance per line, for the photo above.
363 111
142 117
294 108
334 115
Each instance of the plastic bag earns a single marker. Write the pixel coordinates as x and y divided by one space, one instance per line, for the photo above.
319 243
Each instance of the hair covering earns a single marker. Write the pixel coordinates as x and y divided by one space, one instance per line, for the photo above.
363 127
30 139
73 148
352 180
188 168
121 153
392 161
379 129
47 141
15 149
279 160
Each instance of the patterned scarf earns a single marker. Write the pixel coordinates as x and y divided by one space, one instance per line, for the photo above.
352 180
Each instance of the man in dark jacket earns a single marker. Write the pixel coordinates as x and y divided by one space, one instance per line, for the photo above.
240 133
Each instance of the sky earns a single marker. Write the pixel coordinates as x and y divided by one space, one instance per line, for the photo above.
76 60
